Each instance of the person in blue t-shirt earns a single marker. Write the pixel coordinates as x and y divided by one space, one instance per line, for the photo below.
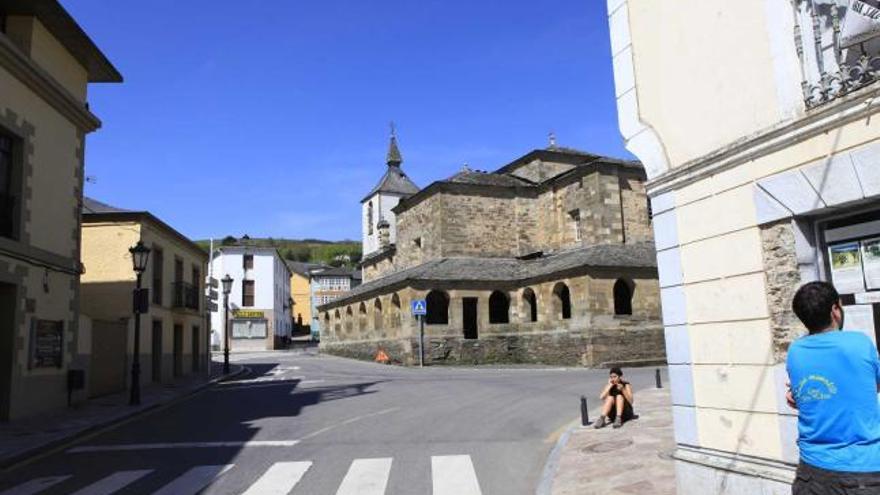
834 378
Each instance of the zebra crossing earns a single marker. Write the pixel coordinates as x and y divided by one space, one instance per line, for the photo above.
450 474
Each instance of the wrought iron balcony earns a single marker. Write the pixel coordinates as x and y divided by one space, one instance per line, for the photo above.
832 64
185 295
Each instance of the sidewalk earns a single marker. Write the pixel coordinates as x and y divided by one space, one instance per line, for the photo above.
634 459
25 438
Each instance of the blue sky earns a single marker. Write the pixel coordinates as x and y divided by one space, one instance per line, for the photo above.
270 117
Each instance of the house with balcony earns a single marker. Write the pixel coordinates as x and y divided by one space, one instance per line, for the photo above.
757 124
174 336
47 62
260 303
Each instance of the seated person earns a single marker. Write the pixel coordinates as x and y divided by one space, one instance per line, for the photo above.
617 399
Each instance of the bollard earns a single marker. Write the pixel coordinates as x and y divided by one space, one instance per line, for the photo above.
657 378
585 414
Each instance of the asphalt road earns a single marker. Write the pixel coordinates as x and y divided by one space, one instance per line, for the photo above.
306 424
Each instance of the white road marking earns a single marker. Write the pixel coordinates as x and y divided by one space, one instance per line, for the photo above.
454 475
194 480
279 479
349 421
35 485
366 477
182 445
114 482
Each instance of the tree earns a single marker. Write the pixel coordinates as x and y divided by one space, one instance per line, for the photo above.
229 241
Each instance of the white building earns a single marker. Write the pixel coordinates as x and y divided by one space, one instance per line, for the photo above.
259 302
377 206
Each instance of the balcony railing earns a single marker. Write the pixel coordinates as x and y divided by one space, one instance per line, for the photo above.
830 66
185 295
8 210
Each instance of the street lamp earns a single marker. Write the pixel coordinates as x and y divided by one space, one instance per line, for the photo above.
227 288
140 254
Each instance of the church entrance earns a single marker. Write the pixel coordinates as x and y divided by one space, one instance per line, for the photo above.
469 317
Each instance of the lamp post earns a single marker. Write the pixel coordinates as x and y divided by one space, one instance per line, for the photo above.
227 288
140 254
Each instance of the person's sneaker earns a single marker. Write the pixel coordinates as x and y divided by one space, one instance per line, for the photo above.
617 423
601 422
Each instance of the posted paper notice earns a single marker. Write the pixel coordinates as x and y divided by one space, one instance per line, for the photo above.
871 262
846 267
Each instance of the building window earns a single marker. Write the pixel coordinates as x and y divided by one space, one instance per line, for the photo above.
418 242
7 191
370 218
158 268
248 261
575 218
499 308
247 293
438 308
531 304
562 301
622 297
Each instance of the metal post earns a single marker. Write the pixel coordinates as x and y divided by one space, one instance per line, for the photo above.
585 413
225 334
657 378
135 398
421 340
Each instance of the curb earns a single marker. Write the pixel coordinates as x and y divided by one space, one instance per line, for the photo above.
27 456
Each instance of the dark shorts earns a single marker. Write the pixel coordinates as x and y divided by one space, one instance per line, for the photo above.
811 480
627 415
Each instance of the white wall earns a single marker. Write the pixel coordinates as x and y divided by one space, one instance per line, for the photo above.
382 205
271 285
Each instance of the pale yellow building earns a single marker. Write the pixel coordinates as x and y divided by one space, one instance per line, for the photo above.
757 124
173 335
301 293
46 64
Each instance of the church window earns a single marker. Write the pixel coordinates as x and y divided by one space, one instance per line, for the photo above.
575 218
370 218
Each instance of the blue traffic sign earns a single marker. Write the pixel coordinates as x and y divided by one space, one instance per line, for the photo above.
419 307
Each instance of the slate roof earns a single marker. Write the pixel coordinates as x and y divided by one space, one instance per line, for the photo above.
302 268
509 270
90 205
394 181
488 179
335 272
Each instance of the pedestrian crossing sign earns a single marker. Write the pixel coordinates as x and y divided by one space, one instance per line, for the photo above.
419 307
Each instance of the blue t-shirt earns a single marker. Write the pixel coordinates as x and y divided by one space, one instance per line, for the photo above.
834 377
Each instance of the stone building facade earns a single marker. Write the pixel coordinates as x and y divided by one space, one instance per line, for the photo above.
764 174
549 259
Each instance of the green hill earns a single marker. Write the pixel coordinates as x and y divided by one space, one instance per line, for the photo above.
336 253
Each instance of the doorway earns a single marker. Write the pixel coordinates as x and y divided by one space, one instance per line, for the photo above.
157 350
196 355
469 317
178 350
7 339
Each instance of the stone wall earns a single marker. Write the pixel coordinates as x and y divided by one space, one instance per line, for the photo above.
782 277
591 336
634 204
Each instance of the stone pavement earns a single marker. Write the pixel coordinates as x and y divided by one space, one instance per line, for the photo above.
635 459
23 439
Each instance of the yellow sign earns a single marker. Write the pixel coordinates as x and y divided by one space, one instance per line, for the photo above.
248 313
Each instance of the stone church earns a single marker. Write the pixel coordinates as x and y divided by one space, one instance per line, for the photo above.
549 259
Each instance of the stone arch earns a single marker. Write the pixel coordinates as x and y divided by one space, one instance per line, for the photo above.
438 308
531 304
362 317
395 310
562 301
377 315
623 294
348 323
499 307
326 326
